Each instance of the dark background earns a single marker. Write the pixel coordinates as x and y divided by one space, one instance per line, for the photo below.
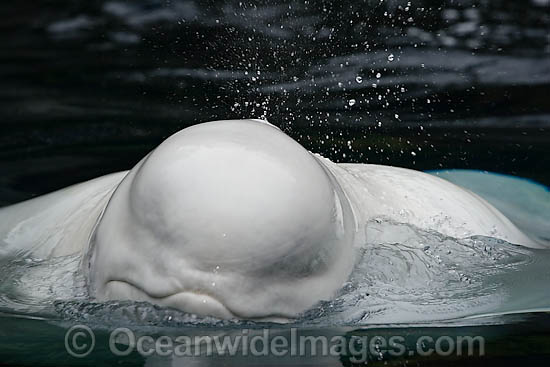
89 87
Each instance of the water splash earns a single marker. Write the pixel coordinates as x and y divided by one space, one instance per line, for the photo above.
407 275
30 285
402 275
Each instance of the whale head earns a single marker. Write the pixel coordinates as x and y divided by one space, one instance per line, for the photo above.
232 219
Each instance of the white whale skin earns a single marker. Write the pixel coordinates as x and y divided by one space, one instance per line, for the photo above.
228 218
235 219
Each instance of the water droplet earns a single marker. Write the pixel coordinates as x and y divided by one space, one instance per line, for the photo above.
378 75
351 102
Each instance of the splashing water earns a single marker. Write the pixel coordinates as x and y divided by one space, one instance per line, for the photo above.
406 275
402 275
424 64
31 285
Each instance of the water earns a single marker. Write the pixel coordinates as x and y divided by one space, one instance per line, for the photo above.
402 275
90 87
83 80
406 282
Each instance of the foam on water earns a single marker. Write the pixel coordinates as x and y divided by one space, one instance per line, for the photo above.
406 275
402 275
31 286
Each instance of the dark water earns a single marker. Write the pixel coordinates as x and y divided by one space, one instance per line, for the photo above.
89 87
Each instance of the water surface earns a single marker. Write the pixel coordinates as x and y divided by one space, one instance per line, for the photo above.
90 87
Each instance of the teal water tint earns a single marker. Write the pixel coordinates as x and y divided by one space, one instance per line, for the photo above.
525 202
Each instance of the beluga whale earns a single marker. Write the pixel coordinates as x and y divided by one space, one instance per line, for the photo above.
235 219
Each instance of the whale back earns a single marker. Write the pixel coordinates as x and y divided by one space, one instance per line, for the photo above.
56 224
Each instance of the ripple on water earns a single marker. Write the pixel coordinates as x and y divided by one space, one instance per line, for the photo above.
406 275
402 275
